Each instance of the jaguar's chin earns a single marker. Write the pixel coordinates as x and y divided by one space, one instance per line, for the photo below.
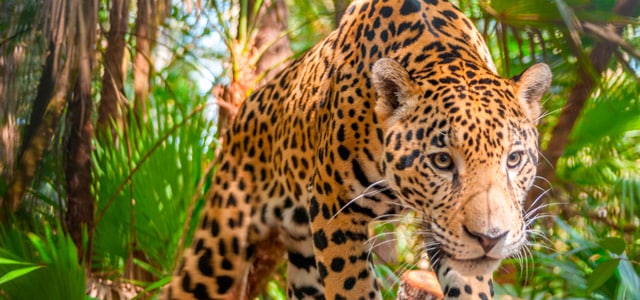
475 266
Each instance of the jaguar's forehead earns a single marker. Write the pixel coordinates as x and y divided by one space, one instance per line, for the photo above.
471 114
471 103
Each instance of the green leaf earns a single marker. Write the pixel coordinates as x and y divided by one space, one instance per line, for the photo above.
601 274
275 291
629 280
11 275
156 285
6 261
41 247
614 244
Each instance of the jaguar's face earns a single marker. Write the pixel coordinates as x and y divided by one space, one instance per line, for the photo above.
461 151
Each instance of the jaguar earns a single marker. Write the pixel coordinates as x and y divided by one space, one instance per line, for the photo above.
400 109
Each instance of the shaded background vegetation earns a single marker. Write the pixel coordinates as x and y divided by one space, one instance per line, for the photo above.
110 113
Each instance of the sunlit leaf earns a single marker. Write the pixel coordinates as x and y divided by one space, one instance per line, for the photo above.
6 261
11 275
275 291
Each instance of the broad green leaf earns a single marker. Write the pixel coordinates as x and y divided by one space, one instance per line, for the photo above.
11 275
614 244
601 274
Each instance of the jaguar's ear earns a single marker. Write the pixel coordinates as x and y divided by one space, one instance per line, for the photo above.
394 88
530 86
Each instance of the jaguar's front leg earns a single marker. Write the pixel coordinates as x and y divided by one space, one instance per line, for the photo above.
343 259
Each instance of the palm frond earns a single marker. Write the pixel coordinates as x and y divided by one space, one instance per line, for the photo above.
56 273
147 181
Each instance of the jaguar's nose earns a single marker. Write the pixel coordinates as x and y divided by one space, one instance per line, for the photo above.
486 241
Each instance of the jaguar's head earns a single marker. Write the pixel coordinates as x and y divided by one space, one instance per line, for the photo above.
461 149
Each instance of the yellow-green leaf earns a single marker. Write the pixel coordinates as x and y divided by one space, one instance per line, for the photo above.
6 261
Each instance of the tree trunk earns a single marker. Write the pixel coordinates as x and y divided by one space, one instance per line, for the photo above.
271 21
14 92
150 14
112 101
600 56
35 148
26 169
77 150
145 33
50 98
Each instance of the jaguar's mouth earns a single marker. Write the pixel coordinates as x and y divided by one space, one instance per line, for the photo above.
444 253
481 259
480 263
474 266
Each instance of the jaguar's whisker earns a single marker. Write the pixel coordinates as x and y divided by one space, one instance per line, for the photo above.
364 193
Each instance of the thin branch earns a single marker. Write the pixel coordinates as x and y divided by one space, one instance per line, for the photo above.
609 34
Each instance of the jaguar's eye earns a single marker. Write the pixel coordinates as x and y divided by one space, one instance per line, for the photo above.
514 159
442 161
